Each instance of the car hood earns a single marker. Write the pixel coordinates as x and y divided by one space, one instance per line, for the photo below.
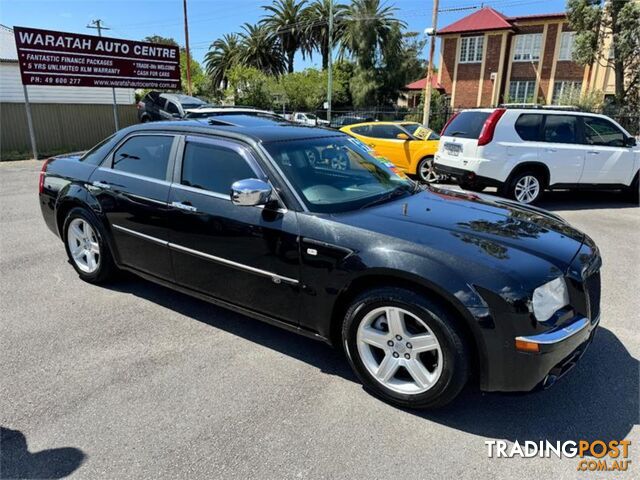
488 222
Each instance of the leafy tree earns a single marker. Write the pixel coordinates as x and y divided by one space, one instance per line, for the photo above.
250 86
200 84
160 39
598 21
221 57
286 20
318 26
259 49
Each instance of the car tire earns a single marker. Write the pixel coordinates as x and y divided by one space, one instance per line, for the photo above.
86 247
426 172
525 187
145 119
633 190
472 187
428 379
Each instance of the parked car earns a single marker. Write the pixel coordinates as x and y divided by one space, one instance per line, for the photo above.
210 112
421 286
156 106
344 120
306 119
524 152
408 145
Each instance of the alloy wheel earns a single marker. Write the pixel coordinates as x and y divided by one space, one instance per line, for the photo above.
399 350
527 189
83 245
428 171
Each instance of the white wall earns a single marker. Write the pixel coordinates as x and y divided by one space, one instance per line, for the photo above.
11 91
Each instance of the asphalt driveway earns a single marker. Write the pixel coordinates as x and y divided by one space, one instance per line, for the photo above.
137 381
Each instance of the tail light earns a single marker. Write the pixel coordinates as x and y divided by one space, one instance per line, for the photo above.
139 105
448 122
489 127
43 170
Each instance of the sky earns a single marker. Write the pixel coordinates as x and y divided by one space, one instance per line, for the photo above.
210 19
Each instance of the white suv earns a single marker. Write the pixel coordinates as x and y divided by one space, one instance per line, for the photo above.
525 151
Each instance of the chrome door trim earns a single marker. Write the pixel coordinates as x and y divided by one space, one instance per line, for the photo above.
274 276
208 193
135 175
141 235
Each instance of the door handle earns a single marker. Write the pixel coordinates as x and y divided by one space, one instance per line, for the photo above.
101 184
593 152
551 149
186 206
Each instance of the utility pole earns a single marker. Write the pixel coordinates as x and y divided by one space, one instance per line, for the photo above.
432 49
330 62
97 25
186 39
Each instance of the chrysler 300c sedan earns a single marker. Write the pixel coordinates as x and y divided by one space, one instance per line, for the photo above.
422 287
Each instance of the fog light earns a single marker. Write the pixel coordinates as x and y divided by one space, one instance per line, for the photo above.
525 346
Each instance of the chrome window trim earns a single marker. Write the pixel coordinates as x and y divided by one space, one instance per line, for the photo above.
208 193
274 276
135 175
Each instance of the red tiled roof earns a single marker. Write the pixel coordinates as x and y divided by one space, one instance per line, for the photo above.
484 19
420 84
489 19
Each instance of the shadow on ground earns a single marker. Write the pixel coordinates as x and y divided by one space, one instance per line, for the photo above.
599 399
16 461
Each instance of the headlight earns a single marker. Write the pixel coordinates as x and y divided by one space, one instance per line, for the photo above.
549 298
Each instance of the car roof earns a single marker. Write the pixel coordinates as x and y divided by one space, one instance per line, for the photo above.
273 132
181 98
398 122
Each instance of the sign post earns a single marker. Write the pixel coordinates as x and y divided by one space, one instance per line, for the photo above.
32 133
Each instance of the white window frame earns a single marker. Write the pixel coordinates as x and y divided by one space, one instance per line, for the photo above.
527 87
527 47
471 49
567 40
575 86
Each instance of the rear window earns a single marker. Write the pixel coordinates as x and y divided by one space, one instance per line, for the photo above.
466 125
528 126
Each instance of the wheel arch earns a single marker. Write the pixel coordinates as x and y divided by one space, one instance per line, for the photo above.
405 280
534 166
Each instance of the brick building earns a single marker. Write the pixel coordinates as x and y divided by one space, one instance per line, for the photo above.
487 58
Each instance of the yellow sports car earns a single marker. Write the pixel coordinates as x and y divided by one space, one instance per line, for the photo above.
409 145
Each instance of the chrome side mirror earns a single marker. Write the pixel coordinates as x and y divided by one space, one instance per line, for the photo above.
250 192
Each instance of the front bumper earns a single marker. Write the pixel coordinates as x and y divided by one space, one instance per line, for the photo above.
466 177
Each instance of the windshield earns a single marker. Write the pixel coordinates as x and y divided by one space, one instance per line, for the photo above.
335 174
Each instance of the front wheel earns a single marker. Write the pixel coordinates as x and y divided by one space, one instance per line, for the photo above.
525 187
405 348
427 171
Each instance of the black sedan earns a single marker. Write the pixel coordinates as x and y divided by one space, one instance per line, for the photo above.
424 288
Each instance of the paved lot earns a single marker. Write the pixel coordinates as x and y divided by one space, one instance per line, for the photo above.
136 381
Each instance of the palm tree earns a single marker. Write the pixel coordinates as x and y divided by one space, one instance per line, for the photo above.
318 26
287 21
221 57
260 49
369 25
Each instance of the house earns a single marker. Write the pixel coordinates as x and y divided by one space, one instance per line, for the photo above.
65 118
411 94
488 58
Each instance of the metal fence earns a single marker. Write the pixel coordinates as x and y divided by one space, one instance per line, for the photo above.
59 128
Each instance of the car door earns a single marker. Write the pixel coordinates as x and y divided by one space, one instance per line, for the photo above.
384 140
608 160
244 255
170 111
561 150
132 186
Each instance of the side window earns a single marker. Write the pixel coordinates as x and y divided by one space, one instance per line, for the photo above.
384 131
146 155
528 127
172 107
363 130
598 131
212 167
560 129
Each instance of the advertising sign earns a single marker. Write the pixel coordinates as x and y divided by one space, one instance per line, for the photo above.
50 58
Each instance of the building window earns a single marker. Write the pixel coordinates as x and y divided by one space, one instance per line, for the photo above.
567 40
527 47
566 92
471 49
522 91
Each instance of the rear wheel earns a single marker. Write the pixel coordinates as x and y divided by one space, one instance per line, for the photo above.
86 247
525 187
405 348
633 191
426 170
